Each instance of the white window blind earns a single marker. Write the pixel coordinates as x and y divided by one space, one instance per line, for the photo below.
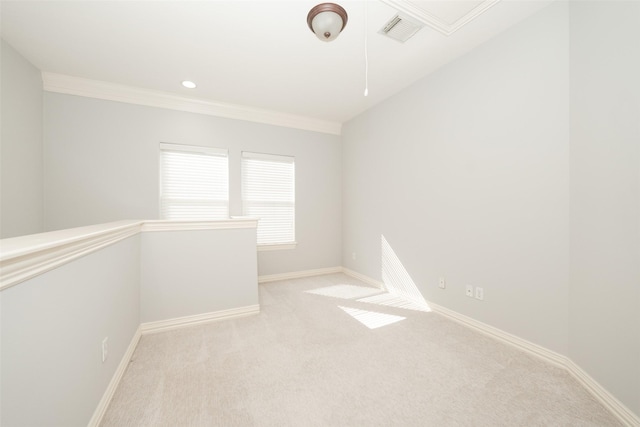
194 182
268 192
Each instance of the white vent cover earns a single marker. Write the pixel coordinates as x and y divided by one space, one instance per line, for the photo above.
400 29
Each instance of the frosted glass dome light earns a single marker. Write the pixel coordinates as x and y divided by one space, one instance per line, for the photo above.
327 20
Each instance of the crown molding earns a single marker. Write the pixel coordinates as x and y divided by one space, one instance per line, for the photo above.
412 10
69 85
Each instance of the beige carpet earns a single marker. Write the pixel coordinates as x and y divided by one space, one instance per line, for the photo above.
342 355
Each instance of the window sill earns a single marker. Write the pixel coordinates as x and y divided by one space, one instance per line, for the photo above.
277 247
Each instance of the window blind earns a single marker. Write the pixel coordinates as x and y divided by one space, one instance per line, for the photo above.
268 192
194 182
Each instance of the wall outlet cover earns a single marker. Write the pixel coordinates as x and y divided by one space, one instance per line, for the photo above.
105 349
469 292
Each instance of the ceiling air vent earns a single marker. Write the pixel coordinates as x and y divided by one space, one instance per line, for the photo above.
400 29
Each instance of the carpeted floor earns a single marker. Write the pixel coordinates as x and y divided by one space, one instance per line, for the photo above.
342 355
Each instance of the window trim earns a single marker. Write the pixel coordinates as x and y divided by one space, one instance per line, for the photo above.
168 146
277 246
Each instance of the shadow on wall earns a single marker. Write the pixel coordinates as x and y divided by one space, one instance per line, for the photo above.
397 281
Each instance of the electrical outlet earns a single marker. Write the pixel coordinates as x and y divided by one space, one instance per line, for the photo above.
442 283
353 255
479 293
469 291
105 349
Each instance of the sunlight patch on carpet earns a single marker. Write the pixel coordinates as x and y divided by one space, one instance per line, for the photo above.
372 319
397 301
345 291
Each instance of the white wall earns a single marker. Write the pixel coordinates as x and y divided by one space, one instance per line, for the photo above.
52 328
102 162
517 168
604 333
93 282
466 175
21 146
186 273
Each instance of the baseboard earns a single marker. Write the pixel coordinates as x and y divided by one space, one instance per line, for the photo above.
198 319
499 334
101 409
163 325
298 274
366 279
522 344
617 408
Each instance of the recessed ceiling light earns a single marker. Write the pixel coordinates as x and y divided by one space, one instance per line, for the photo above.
189 84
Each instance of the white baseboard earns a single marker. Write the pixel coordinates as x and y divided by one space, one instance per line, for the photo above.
198 319
522 344
101 409
617 408
163 325
298 274
366 279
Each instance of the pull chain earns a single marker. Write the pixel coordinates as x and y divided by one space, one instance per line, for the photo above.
366 57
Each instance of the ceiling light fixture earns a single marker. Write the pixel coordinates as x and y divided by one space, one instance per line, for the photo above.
327 20
189 84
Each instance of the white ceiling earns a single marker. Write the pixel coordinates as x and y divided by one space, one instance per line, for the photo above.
258 54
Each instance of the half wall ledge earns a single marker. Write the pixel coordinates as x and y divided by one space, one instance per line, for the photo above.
25 257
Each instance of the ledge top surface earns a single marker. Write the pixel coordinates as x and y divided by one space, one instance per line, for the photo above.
24 245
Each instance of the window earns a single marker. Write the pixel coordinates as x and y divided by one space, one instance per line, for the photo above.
268 192
194 182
